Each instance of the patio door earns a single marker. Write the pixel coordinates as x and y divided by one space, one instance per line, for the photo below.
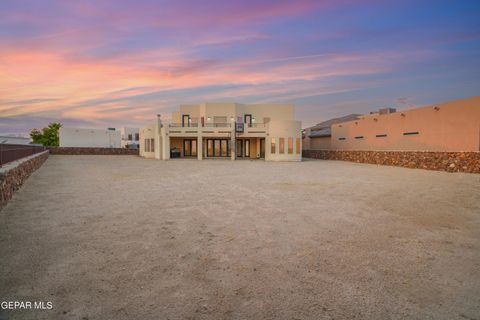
239 148
189 148
262 148
218 148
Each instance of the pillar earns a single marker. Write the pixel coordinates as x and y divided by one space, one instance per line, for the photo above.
199 147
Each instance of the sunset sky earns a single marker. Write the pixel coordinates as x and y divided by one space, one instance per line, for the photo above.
112 63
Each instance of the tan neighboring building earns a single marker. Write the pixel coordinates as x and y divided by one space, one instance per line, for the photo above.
452 126
319 137
225 131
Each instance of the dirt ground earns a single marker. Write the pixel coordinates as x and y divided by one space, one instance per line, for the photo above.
121 237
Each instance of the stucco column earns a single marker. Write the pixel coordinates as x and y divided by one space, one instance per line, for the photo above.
199 147
232 147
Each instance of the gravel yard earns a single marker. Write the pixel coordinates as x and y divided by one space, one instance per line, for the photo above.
121 237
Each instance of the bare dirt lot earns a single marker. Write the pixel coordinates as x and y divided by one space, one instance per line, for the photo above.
121 237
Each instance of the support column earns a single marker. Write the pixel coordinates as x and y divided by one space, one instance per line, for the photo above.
233 148
199 147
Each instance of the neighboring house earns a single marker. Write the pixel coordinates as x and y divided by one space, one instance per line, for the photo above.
93 138
225 130
318 137
130 137
452 126
14 140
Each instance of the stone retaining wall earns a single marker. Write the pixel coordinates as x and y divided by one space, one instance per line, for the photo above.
442 161
14 174
92 151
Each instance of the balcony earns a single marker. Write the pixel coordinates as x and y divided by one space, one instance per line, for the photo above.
182 125
218 125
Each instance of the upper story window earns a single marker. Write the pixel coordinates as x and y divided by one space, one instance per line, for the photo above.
130 137
185 120
137 137
248 120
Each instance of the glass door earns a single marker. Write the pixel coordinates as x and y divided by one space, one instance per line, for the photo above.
239 148
189 148
262 148
247 148
216 148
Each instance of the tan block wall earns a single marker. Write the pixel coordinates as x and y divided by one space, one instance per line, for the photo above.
455 126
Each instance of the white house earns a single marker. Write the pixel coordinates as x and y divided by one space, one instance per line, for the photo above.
130 137
226 130
94 138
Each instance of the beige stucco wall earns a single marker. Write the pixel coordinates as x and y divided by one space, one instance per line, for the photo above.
147 132
455 126
283 129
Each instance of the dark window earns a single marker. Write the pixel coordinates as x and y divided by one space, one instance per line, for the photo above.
129 137
137 137
381 135
248 119
341 138
359 137
185 120
410 133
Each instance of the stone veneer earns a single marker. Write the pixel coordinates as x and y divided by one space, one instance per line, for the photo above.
14 174
92 151
442 161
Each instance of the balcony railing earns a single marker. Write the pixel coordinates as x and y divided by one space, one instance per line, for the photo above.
183 125
240 125
256 125
217 125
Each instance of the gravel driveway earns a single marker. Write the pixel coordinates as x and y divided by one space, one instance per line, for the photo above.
121 237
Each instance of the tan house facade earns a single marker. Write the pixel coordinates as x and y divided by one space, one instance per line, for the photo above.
452 126
225 131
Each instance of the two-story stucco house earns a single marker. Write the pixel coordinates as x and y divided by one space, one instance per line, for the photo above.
225 130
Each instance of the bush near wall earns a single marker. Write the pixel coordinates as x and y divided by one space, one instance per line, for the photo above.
92 151
442 161
14 174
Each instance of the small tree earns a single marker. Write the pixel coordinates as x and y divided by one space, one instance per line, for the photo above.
49 135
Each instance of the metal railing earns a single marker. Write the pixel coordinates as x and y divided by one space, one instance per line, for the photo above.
256 125
217 125
182 125
12 152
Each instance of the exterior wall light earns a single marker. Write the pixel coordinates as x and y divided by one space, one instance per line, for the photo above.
208 118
